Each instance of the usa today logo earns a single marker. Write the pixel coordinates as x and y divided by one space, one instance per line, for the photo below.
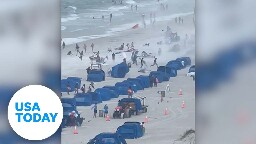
35 112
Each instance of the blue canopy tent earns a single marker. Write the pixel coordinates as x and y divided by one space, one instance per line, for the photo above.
145 80
171 71
187 61
96 75
96 98
83 99
208 77
130 130
120 70
75 79
113 88
68 107
139 81
105 92
72 82
135 84
64 83
174 64
120 90
160 76
71 101
127 84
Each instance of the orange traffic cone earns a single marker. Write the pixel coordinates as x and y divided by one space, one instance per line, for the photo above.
146 119
75 131
107 118
180 92
183 104
166 111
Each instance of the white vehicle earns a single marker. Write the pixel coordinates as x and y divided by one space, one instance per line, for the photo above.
191 72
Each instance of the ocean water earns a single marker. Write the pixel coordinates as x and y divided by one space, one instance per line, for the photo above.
77 23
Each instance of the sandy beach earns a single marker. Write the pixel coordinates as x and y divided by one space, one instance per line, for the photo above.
161 128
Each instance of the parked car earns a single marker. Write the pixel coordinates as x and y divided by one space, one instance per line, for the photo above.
107 138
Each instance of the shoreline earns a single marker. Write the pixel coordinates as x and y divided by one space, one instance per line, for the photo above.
82 39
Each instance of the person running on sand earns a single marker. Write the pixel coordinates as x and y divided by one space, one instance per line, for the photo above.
92 46
142 62
83 88
89 89
63 44
85 47
69 53
122 47
132 45
113 56
136 7
88 70
81 55
92 85
77 49
155 63
128 46
179 19
109 72
95 110
98 54
176 20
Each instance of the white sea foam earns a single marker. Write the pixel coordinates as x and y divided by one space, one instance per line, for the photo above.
117 8
130 2
74 8
71 17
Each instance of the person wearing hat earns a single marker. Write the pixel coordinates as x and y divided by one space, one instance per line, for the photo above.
72 118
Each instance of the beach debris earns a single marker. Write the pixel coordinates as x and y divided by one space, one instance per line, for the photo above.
135 26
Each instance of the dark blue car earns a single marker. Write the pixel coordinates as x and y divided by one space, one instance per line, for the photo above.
107 138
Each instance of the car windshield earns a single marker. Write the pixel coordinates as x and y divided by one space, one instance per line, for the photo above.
192 69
